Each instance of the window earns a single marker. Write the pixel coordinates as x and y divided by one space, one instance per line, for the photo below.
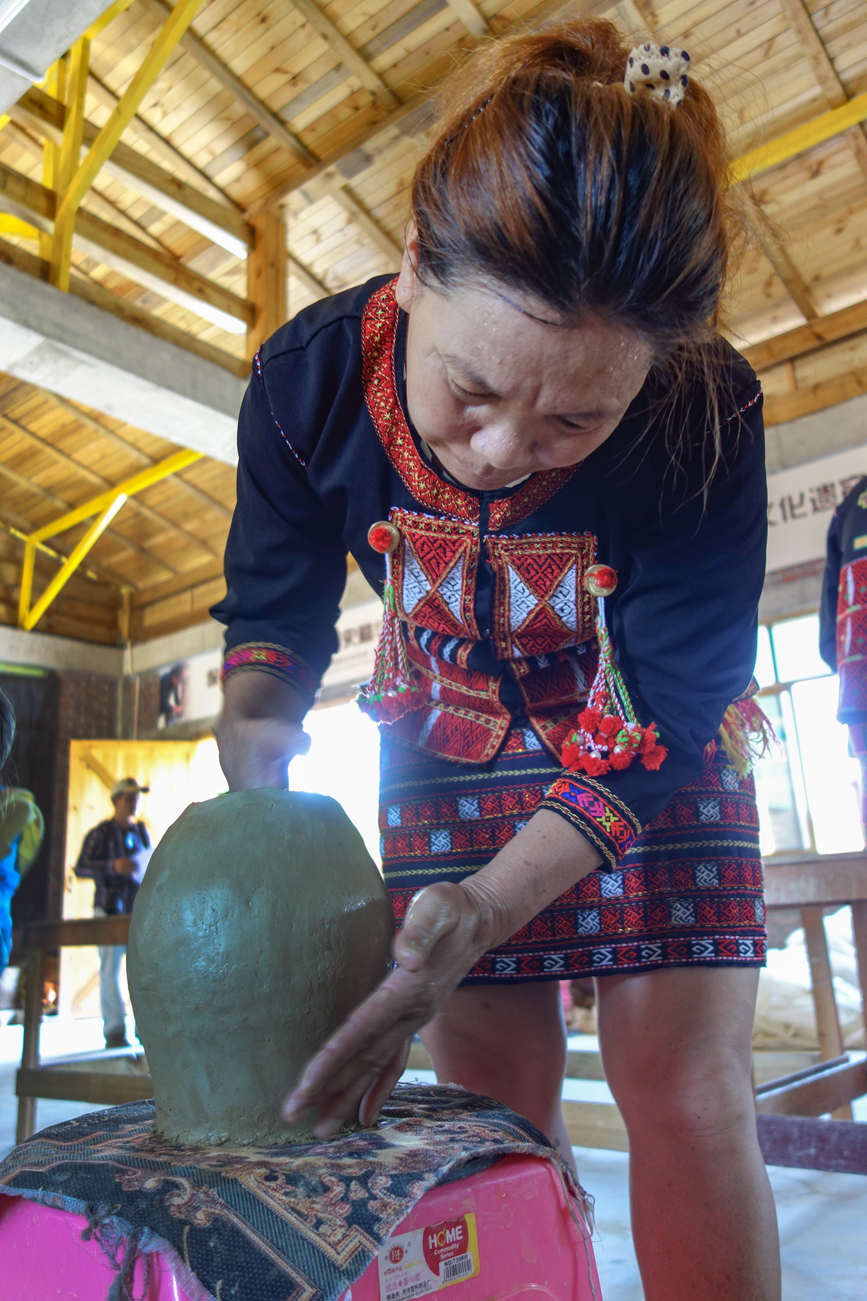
808 785
343 762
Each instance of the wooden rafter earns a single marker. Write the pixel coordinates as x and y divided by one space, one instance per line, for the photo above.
347 54
58 503
826 74
131 449
214 219
168 526
808 338
471 16
157 270
221 73
774 248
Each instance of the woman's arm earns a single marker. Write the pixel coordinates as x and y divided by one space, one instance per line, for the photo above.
259 729
447 929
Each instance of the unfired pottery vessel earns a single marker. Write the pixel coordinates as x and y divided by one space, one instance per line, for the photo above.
261 923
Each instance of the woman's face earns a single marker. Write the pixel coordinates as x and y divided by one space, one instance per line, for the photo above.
498 394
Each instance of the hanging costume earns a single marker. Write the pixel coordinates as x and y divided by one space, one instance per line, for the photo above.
571 642
843 620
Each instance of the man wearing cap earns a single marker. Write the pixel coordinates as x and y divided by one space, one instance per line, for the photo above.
113 857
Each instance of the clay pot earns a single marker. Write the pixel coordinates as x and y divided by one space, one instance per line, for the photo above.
261 923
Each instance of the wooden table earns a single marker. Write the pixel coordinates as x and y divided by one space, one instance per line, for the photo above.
787 1105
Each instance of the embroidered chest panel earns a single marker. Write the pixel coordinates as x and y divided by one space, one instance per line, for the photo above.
540 604
852 612
434 573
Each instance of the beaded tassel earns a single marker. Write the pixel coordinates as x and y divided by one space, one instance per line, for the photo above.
746 734
392 690
609 736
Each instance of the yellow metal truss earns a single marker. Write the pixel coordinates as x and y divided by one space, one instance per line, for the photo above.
800 138
82 174
104 507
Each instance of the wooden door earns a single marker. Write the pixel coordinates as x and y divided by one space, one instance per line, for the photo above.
178 773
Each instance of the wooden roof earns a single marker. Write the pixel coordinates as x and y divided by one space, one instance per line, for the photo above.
317 113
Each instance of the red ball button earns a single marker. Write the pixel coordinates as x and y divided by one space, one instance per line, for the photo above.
600 580
383 537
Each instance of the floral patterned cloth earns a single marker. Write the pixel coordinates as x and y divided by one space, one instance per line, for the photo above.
265 1224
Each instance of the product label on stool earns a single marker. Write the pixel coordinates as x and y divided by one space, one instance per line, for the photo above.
429 1259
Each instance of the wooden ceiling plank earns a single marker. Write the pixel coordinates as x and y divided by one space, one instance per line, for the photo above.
307 278
346 52
85 471
825 72
471 16
111 435
18 529
227 79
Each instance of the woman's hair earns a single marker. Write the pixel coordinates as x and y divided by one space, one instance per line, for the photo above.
7 727
548 176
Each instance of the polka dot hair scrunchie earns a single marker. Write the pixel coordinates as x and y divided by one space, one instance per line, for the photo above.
658 69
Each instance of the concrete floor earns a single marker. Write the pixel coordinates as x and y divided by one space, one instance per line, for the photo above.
822 1217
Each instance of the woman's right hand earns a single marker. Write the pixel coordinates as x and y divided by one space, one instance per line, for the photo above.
255 752
259 730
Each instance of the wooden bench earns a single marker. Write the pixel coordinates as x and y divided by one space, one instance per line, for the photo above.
32 942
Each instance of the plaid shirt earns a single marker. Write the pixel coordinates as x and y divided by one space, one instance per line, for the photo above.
109 840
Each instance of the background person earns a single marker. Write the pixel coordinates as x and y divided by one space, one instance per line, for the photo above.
536 445
112 857
21 831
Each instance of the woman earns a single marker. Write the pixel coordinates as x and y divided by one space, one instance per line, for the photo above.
562 465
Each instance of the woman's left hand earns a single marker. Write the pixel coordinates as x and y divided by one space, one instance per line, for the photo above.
446 930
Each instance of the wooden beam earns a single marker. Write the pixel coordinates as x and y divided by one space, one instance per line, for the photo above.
807 338
219 222
829 879
780 408
777 254
126 310
268 121
267 278
471 17
347 54
824 1090
811 44
371 227
157 270
307 278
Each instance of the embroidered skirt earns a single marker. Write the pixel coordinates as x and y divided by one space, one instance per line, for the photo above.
687 893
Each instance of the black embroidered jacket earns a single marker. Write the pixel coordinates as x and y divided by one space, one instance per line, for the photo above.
489 587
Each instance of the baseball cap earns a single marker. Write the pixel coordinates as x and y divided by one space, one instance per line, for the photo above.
126 786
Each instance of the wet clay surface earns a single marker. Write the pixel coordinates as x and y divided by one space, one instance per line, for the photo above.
261 923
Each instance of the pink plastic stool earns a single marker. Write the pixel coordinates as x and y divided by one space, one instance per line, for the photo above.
508 1233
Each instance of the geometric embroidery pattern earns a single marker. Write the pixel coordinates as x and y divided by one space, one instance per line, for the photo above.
852 637
431 568
539 601
686 892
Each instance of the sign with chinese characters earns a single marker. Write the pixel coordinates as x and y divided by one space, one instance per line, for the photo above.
801 502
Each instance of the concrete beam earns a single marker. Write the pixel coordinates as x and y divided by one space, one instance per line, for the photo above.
806 439
41 650
36 37
64 345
